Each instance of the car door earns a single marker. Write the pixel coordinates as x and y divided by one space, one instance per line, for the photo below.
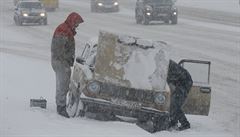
199 97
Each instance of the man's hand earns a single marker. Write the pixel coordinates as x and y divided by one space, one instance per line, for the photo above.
71 62
172 87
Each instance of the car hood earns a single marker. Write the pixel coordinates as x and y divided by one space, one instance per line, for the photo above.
131 62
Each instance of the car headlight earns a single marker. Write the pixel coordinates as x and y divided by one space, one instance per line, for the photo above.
160 99
93 87
148 13
148 8
100 4
174 13
42 14
25 14
115 3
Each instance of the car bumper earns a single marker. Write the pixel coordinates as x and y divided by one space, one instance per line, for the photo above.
159 16
99 105
31 19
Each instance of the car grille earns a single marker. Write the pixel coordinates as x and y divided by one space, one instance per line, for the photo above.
138 95
33 14
162 9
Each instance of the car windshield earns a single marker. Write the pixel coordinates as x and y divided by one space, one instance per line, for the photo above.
159 1
30 5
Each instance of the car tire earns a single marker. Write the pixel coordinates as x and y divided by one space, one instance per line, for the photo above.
20 23
93 7
45 22
15 20
145 20
174 20
137 17
166 21
117 10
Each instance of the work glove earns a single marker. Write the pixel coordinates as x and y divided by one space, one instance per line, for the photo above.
172 87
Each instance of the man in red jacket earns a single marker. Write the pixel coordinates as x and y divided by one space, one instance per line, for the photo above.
62 58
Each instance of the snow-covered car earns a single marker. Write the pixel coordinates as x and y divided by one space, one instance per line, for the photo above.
156 10
104 5
30 12
126 76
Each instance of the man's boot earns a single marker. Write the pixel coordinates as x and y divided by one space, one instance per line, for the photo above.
173 125
185 125
61 110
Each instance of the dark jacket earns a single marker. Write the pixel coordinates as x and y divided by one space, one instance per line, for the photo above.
179 78
63 43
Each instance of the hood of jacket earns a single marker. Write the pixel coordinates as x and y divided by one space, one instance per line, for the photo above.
73 19
67 28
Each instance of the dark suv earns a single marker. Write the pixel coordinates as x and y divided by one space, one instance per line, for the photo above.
149 10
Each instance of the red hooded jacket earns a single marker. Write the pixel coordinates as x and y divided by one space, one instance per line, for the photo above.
63 43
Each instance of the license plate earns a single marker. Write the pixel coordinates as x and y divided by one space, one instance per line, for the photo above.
128 104
162 14
108 6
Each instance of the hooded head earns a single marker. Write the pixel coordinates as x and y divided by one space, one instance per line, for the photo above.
73 20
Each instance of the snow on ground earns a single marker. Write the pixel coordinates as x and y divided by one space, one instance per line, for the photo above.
30 75
17 119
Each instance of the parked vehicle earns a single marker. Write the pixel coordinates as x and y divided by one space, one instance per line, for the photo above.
30 12
156 10
126 76
104 6
50 5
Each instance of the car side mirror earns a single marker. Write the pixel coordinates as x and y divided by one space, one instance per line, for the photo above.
80 60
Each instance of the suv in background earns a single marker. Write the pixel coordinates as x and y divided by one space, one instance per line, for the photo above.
30 12
104 5
155 10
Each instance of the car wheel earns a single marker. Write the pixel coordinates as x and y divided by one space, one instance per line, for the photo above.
138 18
166 21
15 20
45 22
71 104
174 20
145 20
20 22
93 8
74 105
117 10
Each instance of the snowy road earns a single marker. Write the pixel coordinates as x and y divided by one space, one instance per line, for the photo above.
190 38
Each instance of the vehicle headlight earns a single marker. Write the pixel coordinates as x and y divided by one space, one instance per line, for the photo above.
100 4
25 14
93 87
148 8
148 13
42 14
160 98
174 13
115 3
